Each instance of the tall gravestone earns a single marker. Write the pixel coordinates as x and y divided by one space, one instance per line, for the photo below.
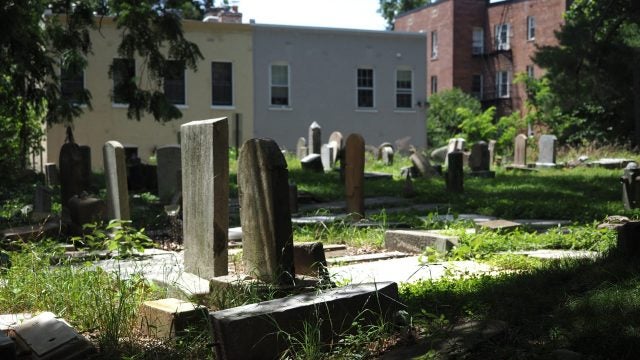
315 138
301 148
115 170
267 237
70 170
168 170
455 172
520 151
52 176
326 155
337 143
547 150
205 196
354 175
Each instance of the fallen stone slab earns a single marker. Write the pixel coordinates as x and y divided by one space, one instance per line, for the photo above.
31 232
49 337
557 254
377 176
416 241
351 259
610 163
170 318
10 321
259 331
543 225
497 225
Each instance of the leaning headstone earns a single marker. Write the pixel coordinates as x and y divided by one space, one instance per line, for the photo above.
263 188
301 148
312 162
421 163
315 138
326 155
52 177
354 175
547 151
253 331
168 169
115 170
205 196
336 141
70 170
520 151
455 174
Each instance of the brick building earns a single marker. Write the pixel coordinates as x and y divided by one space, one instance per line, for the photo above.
479 46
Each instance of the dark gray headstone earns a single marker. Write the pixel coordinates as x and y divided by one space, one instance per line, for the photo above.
312 162
354 175
70 172
455 174
168 169
479 160
52 176
547 150
315 138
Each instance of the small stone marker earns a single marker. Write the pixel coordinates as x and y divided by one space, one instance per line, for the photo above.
70 170
497 225
86 209
315 138
455 172
309 259
312 162
253 331
48 337
628 235
547 151
354 176
168 318
169 168
52 177
263 188
421 163
415 241
336 141
115 170
205 196
301 148
326 156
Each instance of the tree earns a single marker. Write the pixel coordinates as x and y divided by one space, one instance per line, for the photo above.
593 72
41 37
444 117
389 9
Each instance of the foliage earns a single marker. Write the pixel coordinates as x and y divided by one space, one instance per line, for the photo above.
447 110
118 236
390 9
592 71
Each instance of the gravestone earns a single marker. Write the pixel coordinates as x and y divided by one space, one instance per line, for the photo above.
381 147
263 190
480 160
326 156
354 175
115 171
70 170
41 203
421 163
168 171
315 138
492 152
301 148
520 151
337 143
455 144
205 196
85 166
387 155
312 162
52 177
547 151
455 173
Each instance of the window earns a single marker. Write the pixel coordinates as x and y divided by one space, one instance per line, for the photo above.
434 84
174 85
502 84
72 85
502 36
531 28
280 84
530 71
221 83
123 72
404 89
434 44
478 41
365 88
477 85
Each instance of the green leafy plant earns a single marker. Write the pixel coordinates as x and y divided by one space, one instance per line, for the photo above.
118 236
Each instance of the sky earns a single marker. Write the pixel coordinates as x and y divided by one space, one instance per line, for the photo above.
350 14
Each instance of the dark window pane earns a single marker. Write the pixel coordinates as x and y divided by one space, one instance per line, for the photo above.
403 100
279 95
72 86
124 72
365 98
222 84
174 88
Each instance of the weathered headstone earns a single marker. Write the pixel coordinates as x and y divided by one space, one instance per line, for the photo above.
455 144
480 160
52 177
309 259
312 162
205 196
84 209
115 170
301 148
336 141
387 155
354 175
263 187
315 138
421 163
492 152
41 203
326 156
547 151
455 174
382 146
520 151
168 169
70 170
169 318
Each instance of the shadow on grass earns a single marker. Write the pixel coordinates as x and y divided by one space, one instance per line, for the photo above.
589 306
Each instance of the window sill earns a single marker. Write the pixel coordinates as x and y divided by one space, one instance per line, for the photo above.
405 111
181 106
281 108
363 110
223 107
434 58
531 40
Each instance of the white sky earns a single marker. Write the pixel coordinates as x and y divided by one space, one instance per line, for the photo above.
351 14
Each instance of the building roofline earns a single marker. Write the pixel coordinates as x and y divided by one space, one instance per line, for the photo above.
318 29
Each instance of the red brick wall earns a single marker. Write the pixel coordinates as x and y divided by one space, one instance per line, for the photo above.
468 14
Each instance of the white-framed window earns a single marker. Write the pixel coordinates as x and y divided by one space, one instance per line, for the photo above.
530 72
221 83
280 84
434 84
174 83
404 89
434 44
477 45
477 86
365 87
531 28
123 73
503 84
72 85
502 34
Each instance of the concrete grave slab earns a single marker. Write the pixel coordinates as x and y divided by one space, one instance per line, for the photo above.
416 241
543 225
355 259
252 331
497 225
169 318
30 232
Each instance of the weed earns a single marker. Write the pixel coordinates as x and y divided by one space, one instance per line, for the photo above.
118 236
